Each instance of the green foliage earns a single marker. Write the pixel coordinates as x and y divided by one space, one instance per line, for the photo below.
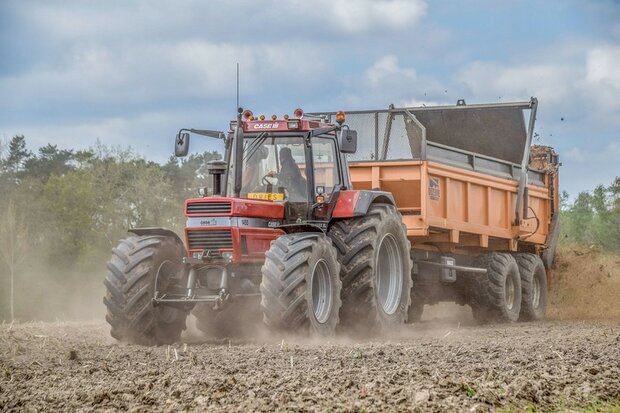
593 218
76 205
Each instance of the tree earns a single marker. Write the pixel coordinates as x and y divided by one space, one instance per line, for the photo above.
13 245
50 161
16 157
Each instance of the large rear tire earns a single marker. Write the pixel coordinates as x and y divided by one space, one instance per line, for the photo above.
137 264
374 254
496 294
533 287
300 289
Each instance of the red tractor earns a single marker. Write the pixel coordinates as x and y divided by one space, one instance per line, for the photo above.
283 231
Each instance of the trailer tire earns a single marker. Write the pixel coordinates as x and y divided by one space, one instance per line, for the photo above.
497 294
369 248
300 288
533 287
137 264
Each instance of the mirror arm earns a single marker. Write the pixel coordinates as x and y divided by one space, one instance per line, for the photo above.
322 131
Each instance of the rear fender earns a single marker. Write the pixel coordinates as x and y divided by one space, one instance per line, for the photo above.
356 203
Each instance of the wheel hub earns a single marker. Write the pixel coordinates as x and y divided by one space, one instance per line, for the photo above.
536 292
510 293
321 291
389 273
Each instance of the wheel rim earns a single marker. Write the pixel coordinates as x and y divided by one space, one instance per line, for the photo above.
321 291
166 269
510 293
536 292
389 274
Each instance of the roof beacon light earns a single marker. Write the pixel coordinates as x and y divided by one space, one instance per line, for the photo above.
274 117
340 117
299 113
247 115
261 117
286 117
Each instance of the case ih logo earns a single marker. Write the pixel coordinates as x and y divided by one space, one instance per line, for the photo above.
266 126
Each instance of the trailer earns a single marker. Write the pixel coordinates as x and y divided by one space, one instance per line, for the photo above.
469 189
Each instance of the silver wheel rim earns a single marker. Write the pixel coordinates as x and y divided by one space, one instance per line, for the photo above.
321 291
510 293
536 292
389 274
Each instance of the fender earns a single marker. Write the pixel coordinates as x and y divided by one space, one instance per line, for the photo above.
162 232
354 203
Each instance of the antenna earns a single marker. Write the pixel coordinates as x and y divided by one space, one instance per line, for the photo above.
237 87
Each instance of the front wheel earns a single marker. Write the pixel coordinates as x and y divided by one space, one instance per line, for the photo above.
139 266
300 289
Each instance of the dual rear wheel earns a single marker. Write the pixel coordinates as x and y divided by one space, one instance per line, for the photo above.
363 260
513 289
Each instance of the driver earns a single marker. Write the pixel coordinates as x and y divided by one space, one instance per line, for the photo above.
290 177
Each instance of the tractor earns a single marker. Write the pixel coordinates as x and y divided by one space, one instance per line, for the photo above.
281 233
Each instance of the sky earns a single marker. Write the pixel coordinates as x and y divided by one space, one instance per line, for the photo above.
132 73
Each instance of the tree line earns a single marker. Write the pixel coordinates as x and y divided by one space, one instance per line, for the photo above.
593 218
63 210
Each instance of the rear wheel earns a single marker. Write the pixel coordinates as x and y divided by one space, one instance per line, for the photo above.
375 269
533 287
496 295
137 265
300 289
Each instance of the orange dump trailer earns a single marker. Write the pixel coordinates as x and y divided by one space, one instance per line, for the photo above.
480 204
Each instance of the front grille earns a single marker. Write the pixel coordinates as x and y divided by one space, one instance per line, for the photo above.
209 239
208 208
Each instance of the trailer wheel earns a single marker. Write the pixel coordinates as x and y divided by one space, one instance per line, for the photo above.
300 289
137 264
375 269
533 287
497 294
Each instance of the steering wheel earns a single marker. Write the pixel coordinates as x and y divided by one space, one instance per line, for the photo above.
266 181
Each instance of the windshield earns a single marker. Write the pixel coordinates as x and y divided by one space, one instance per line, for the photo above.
274 169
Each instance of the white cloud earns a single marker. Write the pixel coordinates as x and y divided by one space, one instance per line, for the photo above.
369 15
551 82
142 73
386 69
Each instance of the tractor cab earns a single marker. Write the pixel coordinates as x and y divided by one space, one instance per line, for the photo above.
296 162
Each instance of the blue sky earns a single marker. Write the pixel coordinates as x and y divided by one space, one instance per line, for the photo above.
133 73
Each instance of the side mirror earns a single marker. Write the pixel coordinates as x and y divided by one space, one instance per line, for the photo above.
181 144
348 141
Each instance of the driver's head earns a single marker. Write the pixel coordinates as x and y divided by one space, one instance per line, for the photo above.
286 155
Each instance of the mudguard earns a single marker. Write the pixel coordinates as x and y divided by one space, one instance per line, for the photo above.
354 203
158 231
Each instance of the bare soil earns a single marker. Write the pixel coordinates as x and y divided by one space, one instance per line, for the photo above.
444 364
